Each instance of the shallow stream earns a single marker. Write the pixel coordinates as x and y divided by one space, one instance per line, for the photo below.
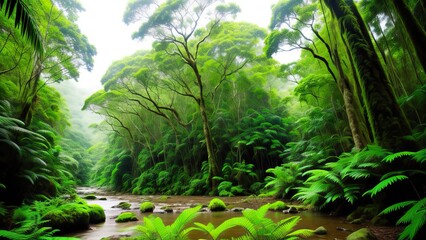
309 219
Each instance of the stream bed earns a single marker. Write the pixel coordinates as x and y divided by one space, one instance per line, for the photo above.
310 220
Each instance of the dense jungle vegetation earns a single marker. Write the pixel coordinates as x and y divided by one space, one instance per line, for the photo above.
208 111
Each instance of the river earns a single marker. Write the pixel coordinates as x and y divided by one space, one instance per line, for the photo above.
310 220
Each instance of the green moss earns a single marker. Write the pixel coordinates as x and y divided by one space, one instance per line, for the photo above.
96 213
124 205
68 217
126 217
147 207
216 205
361 234
277 206
90 197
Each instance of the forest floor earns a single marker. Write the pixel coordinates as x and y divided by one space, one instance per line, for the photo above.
179 203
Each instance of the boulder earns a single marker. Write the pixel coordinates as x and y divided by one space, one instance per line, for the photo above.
147 207
320 231
126 217
217 205
291 210
361 234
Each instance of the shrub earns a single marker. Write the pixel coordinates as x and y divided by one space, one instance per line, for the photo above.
216 205
147 207
277 206
96 213
126 217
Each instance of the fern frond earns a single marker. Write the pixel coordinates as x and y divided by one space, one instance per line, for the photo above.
413 212
184 219
396 207
420 156
393 157
385 183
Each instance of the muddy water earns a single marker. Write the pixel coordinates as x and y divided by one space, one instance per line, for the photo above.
178 203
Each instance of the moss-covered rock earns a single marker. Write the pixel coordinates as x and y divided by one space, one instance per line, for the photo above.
126 217
320 231
361 234
68 217
123 205
217 205
277 206
147 207
96 213
90 197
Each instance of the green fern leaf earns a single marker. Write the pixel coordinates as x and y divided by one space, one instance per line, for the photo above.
420 156
184 219
385 183
413 212
396 207
393 157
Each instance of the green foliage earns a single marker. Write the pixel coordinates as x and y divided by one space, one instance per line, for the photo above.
216 205
284 180
257 226
414 217
340 181
126 217
154 228
147 207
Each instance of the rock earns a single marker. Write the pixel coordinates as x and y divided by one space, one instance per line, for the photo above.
277 206
96 213
126 217
203 210
90 197
116 237
217 205
291 210
343 229
361 234
357 221
123 205
68 217
237 209
147 207
103 199
379 221
320 231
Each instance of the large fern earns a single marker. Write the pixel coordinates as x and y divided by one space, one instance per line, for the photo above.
154 228
414 217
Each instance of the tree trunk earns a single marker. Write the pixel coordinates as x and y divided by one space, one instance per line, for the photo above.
214 169
413 28
388 123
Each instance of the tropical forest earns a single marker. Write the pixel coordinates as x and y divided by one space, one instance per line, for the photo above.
213 119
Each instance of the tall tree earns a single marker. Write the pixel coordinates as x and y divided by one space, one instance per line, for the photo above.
388 123
174 23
